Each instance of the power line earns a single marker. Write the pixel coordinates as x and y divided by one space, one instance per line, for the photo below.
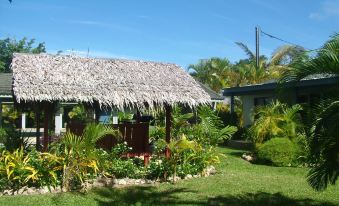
282 40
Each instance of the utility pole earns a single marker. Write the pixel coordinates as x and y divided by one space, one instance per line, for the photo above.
257 33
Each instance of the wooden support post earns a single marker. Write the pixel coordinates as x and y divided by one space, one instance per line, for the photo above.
37 131
168 127
146 159
232 104
46 125
23 121
138 117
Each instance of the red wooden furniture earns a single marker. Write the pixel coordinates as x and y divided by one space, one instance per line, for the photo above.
135 134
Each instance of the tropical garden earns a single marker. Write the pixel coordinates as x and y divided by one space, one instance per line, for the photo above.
295 149
286 135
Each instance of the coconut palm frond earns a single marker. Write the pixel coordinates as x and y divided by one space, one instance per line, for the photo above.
323 126
326 61
249 53
324 146
285 54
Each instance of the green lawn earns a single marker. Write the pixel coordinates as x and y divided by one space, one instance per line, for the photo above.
237 183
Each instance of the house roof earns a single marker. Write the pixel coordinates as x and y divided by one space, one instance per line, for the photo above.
310 81
5 84
110 82
213 95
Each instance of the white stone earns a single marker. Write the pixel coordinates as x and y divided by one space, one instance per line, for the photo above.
131 181
98 184
122 182
149 182
31 190
247 157
43 190
8 192
58 189
212 170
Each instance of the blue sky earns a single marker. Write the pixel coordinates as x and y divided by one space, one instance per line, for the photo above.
178 31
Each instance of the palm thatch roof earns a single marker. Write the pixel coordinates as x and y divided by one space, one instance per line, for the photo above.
110 82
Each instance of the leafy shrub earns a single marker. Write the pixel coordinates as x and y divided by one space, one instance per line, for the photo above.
227 117
118 165
157 168
279 152
125 116
15 166
180 121
121 168
276 120
3 135
118 150
18 169
79 113
242 134
187 157
209 130
157 132
48 167
80 158
11 138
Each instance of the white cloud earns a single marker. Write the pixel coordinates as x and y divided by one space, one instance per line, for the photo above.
329 9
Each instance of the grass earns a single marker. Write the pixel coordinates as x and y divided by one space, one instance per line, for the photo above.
237 183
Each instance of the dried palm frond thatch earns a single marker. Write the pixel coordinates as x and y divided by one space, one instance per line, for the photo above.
110 82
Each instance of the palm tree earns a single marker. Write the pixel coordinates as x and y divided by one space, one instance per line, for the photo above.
276 120
271 68
246 72
323 134
283 57
212 72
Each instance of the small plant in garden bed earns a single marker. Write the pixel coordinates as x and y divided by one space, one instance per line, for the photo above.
187 158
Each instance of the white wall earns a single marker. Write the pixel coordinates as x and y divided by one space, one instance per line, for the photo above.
248 103
58 123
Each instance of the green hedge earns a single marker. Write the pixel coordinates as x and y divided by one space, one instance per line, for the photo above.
278 152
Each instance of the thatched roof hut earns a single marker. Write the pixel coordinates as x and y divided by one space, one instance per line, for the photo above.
110 82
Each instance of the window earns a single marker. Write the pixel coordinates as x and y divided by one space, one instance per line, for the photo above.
302 99
308 99
261 101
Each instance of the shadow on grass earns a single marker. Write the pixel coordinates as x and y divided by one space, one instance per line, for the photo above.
142 196
182 196
236 153
262 198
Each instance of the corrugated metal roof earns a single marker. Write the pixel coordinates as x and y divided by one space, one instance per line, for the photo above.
310 81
